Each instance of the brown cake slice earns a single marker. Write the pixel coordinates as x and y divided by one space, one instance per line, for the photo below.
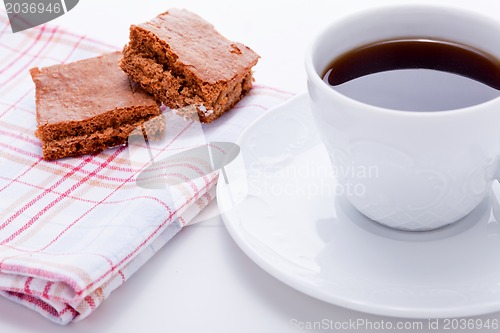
183 61
88 106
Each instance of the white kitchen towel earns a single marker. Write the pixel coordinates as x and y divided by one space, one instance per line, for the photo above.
73 230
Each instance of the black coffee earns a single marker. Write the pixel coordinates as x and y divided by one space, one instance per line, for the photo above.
416 75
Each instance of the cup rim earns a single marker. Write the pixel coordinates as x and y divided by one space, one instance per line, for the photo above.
313 76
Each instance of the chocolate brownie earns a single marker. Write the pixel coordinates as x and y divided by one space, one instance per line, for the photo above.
89 105
182 60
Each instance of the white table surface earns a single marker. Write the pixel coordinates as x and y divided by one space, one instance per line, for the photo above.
211 285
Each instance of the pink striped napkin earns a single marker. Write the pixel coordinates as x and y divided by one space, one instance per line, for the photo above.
73 230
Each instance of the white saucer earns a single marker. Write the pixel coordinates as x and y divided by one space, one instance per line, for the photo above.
280 208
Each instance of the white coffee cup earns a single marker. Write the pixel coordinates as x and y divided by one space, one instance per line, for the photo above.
418 170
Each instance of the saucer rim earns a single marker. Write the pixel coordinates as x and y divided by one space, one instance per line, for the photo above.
318 293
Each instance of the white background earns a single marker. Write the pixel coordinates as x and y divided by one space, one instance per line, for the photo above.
201 281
